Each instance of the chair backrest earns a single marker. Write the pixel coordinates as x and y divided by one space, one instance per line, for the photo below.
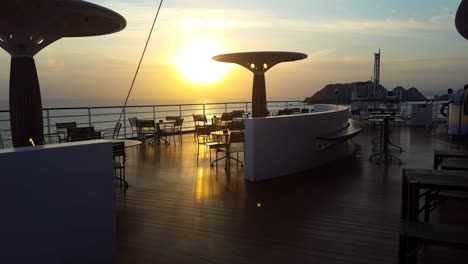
132 121
236 125
77 130
1 141
237 137
117 128
145 123
199 120
238 113
304 111
201 132
85 136
225 117
178 124
172 117
82 133
295 111
65 125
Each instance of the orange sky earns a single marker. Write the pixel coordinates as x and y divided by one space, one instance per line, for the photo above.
420 47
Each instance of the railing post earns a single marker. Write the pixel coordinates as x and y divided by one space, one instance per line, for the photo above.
246 107
225 108
48 121
89 116
154 112
204 113
180 111
125 122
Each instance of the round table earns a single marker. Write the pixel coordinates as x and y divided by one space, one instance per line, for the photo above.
127 142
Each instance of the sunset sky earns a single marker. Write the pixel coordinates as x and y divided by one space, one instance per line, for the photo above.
419 42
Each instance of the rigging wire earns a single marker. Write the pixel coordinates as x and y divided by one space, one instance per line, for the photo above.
141 59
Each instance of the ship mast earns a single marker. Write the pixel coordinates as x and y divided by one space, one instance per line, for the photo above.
376 94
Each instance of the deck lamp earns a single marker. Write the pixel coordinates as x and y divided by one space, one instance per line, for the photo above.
461 19
258 63
27 27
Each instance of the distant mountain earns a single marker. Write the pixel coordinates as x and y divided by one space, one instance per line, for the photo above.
412 94
345 91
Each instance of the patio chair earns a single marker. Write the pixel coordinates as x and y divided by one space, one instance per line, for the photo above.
238 114
62 129
164 130
226 118
199 121
236 126
177 129
295 111
204 139
146 127
118 151
82 133
235 145
133 126
112 132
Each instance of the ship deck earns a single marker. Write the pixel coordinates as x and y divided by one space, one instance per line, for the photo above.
348 211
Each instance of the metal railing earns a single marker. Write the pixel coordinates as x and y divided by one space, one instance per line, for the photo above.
104 117
405 107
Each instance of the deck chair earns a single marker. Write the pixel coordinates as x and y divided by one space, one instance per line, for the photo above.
118 151
236 126
235 146
83 133
238 114
177 129
204 139
62 129
146 128
199 121
226 118
133 127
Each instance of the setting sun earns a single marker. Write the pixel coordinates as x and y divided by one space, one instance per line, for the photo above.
195 65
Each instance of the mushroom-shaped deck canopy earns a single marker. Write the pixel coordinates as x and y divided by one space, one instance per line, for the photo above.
27 26
461 20
260 61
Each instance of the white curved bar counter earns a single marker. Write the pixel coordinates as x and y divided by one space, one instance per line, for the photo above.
284 145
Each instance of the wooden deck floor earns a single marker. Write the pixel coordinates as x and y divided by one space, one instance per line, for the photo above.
345 212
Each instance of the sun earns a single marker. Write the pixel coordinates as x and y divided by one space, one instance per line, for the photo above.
195 64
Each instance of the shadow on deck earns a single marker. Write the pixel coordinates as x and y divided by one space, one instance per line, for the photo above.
344 212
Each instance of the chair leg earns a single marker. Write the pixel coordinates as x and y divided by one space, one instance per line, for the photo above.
198 152
125 178
210 155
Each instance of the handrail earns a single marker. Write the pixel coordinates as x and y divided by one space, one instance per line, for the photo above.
102 115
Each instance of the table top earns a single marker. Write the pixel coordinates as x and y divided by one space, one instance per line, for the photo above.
164 121
67 18
127 142
259 58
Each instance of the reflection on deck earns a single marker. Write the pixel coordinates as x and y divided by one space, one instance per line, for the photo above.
345 212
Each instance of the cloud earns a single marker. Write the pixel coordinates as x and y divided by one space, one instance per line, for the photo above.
202 19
